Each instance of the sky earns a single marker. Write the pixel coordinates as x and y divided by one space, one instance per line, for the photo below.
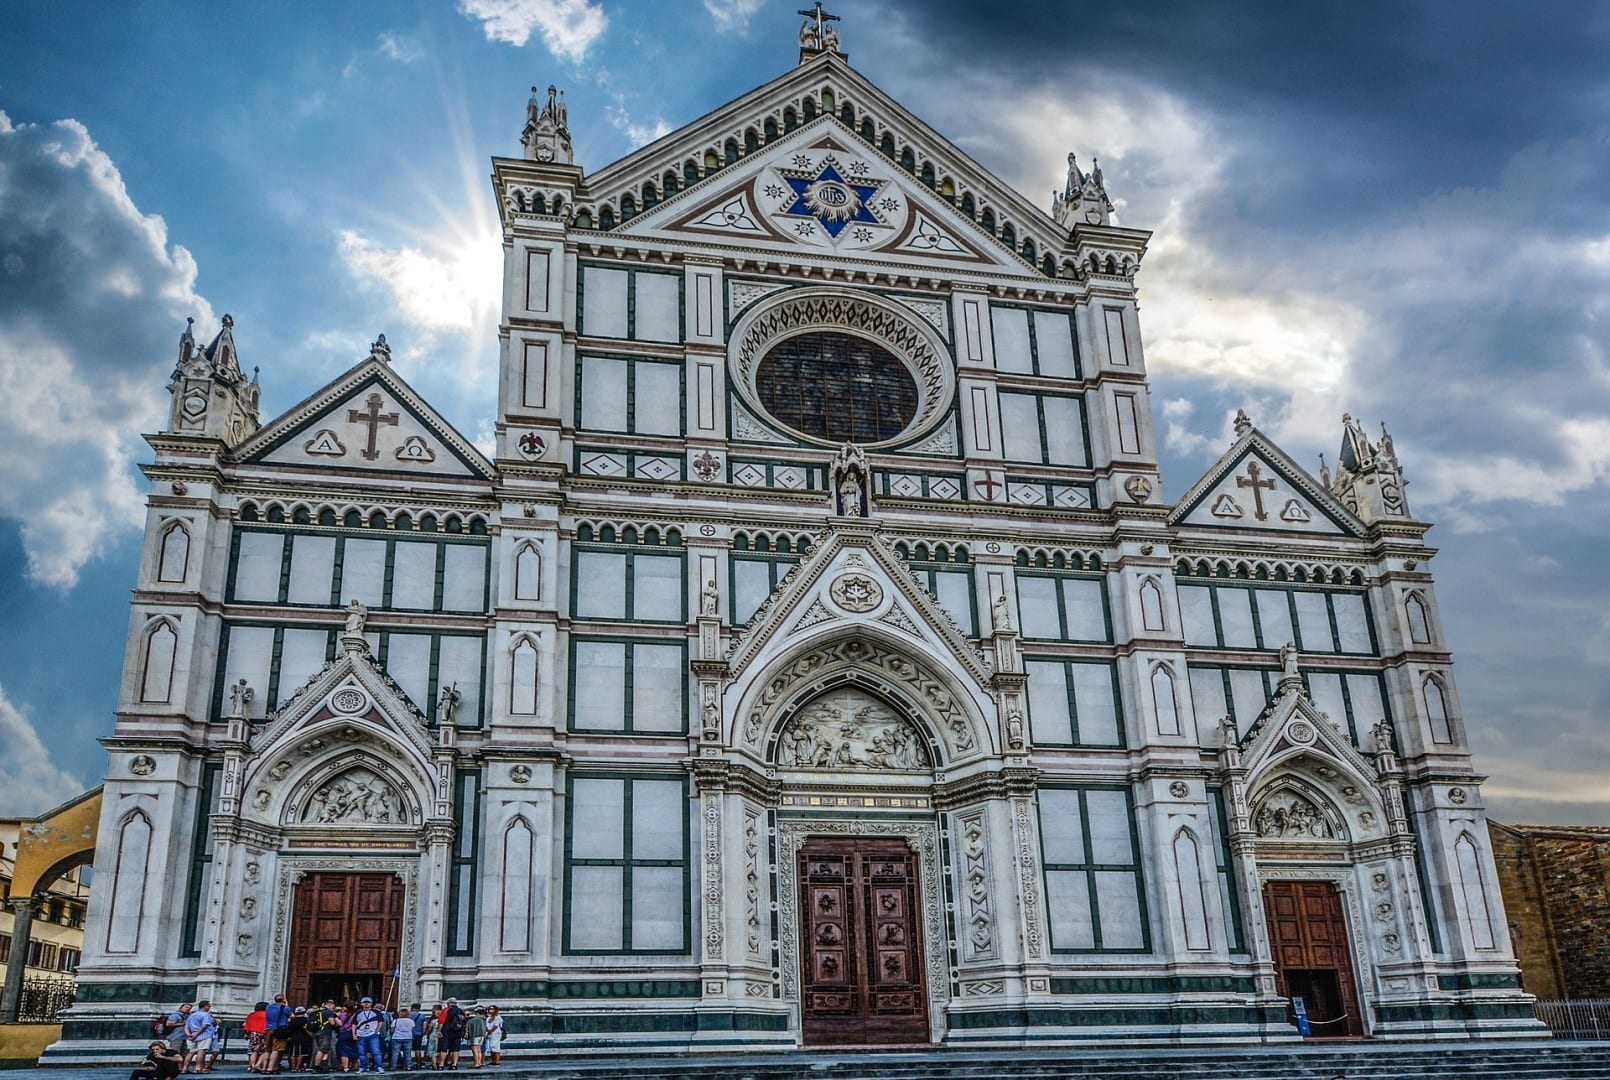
1397 210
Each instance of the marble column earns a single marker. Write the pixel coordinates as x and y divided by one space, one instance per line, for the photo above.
22 929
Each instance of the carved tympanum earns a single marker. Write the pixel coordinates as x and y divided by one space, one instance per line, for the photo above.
849 729
359 797
1289 815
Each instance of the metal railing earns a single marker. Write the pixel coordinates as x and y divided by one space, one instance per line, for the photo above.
42 999
1587 1018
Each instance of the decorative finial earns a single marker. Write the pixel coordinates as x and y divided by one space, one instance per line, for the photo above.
380 350
229 321
1243 423
818 34
1324 472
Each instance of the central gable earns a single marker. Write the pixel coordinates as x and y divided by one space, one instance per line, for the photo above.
823 189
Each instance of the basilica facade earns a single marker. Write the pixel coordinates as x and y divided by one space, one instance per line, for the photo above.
813 661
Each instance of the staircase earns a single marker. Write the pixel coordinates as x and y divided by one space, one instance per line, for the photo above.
1539 1059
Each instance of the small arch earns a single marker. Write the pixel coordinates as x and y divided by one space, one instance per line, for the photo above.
606 218
584 219
712 162
927 174
628 207
751 140
276 514
846 114
1048 265
1027 251
248 511
1473 884
967 204
353 519
427 523
1151 605
403 522
790 119
523 657
669 183
769 127
1419 622
173 553
1436 699
947 189
539 205
810 109
156 666
730 151
869 132
1008 235
455 524
301 516
1192 891
377 520
477 525
651 194
1165 701
987 220
690 173
908 159
886 145
528 572
327 517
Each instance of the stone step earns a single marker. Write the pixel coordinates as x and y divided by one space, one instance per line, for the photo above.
1375 1061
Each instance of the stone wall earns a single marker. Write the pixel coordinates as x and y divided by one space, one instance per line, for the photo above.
1556 886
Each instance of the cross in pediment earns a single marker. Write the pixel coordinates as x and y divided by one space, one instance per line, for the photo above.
1258 488
374 419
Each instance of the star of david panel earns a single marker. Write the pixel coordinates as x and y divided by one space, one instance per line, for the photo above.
830 199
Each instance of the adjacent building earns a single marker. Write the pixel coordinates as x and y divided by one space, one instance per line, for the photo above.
812 659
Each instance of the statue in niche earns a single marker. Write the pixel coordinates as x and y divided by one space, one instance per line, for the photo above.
850 729
709 597
1014 729
358 797
851 482
357 614
1001 614
240 696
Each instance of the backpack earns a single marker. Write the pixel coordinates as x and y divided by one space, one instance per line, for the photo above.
454 1027
159 1026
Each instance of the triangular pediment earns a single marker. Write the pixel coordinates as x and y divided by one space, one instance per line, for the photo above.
1292 728
926 228
823 189
370 420
854 578
352 693
1256 485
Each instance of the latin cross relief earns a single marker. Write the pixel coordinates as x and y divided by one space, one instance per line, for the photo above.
1258 486
373 419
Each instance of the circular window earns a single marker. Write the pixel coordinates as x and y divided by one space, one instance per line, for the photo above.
831 365
837 387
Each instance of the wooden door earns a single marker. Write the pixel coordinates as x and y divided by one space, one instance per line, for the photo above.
1308 936
861 943
346 931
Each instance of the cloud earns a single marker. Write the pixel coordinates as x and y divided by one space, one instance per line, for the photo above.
732 16
432 292
404 50
29 783
92 301
639 134
568 27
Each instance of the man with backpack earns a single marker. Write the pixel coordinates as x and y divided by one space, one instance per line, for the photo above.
450 1023
321 1023
171 1027
366 1023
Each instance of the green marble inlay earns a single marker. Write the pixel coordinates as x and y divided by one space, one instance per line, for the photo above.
169 994
555 990
1205 984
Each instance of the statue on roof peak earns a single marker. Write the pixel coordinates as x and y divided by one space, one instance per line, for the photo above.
818 34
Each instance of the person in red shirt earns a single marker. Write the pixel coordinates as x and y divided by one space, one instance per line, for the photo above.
256 1028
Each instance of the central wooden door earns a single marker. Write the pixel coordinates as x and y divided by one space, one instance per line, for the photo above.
861 943
346 936
1308 934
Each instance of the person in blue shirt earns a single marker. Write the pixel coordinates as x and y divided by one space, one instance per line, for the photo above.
366 1025
200 1031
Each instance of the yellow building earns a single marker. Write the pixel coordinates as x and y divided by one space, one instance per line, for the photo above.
57 900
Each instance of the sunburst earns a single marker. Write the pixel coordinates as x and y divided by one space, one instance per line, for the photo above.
830 200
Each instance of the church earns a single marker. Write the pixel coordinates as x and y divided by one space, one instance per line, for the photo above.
812 661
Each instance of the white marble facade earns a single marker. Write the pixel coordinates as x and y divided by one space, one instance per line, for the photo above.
599 688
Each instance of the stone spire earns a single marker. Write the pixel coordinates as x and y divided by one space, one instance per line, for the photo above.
547 129
1368 478
1083 199
210 394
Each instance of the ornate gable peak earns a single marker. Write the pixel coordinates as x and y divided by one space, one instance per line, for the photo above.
374 370
1294 727
1291 513
866 563
353 689
831 89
